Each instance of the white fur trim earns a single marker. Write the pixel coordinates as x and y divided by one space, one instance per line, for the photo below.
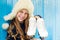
27 4
41 28
5 26
9 16
32 27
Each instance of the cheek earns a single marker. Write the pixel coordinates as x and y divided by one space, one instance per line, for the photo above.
25 16
18 15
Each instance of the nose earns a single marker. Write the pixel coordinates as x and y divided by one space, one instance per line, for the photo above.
23 14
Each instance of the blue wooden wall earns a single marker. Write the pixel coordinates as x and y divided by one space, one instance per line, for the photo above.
48 9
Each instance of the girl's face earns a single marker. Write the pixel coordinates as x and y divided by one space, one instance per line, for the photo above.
22 15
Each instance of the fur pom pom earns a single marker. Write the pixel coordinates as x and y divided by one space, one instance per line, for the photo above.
5 26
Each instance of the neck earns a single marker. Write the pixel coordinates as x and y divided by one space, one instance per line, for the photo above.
21 21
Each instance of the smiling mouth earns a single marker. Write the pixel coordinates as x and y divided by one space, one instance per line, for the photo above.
21 18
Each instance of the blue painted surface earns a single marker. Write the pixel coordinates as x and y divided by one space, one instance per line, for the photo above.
4 9
36 34
48 9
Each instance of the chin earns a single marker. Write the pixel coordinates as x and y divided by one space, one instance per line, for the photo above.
21 20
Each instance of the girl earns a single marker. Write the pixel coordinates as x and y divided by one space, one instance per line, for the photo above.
19 20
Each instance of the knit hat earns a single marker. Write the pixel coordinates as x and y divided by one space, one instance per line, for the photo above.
21 4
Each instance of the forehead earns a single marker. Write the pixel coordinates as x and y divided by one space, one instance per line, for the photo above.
23 10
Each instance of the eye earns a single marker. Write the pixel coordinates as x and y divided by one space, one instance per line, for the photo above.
21 11
26 13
